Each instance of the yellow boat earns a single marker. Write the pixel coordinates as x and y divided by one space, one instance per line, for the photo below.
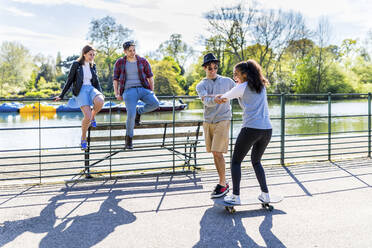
34 108
31 116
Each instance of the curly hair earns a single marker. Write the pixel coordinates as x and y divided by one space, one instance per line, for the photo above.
252 73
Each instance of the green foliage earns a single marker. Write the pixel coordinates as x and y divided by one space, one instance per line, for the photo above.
279 41
107 36
337 81
305 76
364 70
15 67
194 76
167 77
177 49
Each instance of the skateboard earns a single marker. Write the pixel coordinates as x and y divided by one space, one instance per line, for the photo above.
249 201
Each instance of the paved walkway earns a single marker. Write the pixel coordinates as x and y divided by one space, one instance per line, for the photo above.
325 205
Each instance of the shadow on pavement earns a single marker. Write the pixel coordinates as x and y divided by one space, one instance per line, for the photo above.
221 229
78 231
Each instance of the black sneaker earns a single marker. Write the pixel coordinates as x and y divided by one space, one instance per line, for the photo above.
220 190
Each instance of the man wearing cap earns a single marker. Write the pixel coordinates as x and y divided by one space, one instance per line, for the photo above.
133 81
217 117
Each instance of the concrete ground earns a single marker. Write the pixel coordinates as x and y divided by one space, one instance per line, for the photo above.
326 205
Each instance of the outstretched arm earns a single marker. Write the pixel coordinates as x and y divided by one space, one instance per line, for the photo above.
235 92
207 100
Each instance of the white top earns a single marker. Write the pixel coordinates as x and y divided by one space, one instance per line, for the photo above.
235 92
87 74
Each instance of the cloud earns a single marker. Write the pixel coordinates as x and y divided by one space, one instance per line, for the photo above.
154 21
42 42
342 11
18 12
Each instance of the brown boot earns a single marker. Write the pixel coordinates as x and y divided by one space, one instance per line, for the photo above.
128 142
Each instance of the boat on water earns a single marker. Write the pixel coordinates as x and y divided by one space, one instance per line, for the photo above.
47 108
37 107
163 106
11 107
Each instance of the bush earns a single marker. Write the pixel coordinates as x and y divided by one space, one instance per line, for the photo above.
34 94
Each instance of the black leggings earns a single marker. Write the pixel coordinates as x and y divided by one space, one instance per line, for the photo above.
248 137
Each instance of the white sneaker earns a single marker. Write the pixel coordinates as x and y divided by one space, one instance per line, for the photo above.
232 199
264 197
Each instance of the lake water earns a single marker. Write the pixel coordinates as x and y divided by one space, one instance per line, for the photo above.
67 137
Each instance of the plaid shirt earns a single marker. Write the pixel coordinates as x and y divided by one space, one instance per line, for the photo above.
144 72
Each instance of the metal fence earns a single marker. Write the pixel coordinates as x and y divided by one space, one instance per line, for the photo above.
43 163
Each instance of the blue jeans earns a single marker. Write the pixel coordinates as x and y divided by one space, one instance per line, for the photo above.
131 97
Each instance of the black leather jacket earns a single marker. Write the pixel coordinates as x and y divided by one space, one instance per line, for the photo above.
76 78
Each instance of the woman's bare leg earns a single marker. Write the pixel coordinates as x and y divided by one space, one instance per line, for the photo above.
98 104
86 121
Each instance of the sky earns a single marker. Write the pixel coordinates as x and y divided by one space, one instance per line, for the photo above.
51 26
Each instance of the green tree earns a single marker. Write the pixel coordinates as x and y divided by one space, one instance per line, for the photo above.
167 76
58 63
107 36
217 46
45 67
174 47
363 69
6 77
232 25
15 67
64 66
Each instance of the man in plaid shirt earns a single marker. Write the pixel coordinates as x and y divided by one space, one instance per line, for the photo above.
133 81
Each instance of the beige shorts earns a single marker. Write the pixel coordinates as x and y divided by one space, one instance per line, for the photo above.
217 136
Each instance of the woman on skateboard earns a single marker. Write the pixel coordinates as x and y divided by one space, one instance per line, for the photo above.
256 130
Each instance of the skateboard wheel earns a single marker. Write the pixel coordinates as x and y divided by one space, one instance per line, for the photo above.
231 210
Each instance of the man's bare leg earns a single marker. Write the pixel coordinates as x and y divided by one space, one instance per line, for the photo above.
219 162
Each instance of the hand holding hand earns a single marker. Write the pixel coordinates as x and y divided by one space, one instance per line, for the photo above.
119 97
217 99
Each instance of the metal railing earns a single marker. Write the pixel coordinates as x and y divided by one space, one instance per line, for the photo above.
39 163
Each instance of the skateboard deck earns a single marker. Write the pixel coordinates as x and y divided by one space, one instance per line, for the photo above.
248 201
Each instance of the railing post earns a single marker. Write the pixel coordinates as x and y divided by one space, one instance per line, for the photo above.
87 155
231 130
39 142
111 137
282 128
329 125
174 130
369 124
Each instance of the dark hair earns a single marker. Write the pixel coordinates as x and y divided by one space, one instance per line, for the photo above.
128 44
85 50
211 62
252 72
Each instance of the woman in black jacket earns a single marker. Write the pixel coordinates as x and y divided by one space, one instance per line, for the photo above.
86 90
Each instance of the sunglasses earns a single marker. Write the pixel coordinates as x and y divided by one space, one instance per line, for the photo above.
210 68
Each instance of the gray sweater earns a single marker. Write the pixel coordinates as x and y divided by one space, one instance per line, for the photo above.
208 88
255 106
